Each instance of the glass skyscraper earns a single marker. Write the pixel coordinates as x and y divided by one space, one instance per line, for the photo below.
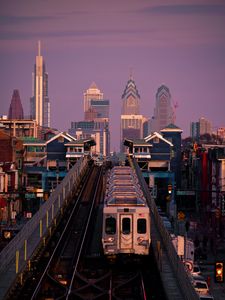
39 102
163 112
15 109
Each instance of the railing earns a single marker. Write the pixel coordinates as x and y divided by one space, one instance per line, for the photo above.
180 273
21 247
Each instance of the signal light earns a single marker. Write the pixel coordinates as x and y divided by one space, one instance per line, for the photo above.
219 272
169 188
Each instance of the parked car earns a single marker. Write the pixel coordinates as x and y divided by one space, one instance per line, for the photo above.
196 270
197 277
201 286
206 297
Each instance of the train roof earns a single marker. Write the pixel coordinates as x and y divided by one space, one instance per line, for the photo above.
121 188
121 182
125 200
122 171
124 189
124 194
121 176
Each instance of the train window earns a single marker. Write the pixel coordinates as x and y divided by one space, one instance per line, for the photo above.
141 226
126 226
110 225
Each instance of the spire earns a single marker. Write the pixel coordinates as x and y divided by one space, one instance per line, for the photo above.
93 86
39 48
131 73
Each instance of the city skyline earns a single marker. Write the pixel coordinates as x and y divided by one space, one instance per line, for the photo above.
180 44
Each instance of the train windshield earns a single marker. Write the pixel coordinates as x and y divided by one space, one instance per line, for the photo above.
110 225
141 226
126 226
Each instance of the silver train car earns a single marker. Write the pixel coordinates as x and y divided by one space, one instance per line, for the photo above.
126 215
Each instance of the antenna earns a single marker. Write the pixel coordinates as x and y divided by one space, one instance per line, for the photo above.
39 48
131 73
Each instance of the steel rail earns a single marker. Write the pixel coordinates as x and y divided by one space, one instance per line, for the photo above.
84 236
143 288
58 243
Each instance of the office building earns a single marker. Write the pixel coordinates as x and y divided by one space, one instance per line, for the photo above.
132 123
93 93
97 130
163 112
20 128
132 126
221 133
15 109
96 121
39 102
195 130
130 99
203 126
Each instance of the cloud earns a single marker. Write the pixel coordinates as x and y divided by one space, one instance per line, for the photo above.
158 25
7 20
186 9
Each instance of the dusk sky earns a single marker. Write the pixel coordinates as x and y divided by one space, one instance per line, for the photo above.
179 43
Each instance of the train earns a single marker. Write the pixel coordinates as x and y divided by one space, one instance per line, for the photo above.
126 215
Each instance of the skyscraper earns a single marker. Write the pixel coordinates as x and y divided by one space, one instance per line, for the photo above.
15 109
39 102
130 99
163 112
131 122
203 126
96 121
93 93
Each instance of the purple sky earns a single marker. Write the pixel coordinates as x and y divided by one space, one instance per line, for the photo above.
180 43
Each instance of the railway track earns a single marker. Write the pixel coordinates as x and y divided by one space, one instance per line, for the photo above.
96 279
67 270
51 269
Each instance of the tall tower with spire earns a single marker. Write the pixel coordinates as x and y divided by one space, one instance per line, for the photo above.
39 102
15 109
130 98
132 124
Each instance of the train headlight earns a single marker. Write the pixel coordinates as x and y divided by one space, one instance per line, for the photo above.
109 240
142 241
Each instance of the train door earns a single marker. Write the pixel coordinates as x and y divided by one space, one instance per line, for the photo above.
126 232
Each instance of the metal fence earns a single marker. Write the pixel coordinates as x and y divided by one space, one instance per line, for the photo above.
178 268
22 246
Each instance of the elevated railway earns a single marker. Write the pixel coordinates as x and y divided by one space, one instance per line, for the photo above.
49 259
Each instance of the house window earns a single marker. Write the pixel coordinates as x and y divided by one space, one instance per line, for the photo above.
156 140
19 163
